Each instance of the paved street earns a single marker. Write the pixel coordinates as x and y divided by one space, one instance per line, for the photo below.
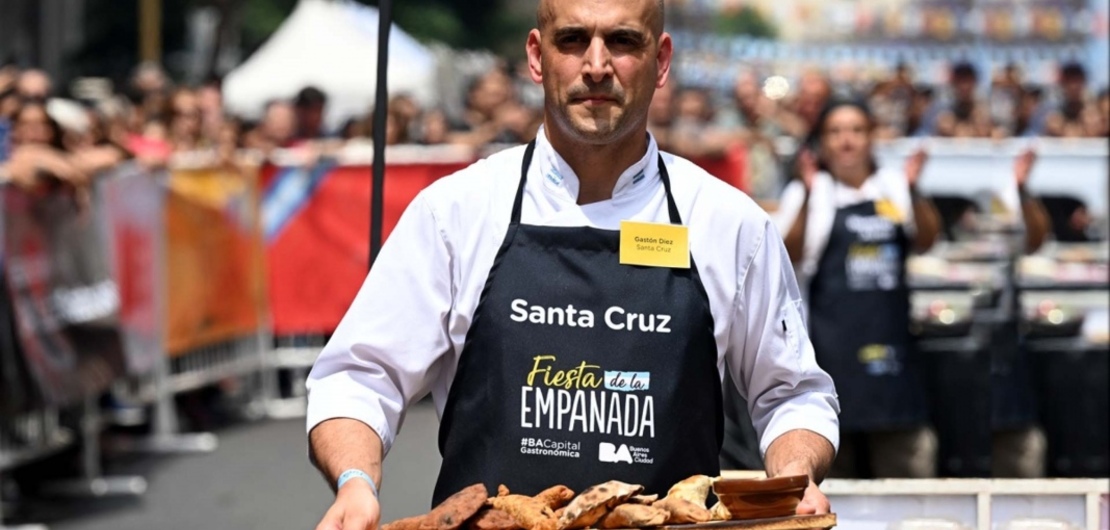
258 479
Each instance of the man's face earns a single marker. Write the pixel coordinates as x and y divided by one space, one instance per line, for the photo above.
599 63
1073 88
280 122
311 119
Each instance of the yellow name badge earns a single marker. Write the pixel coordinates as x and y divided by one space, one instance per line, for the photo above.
655 245
887 209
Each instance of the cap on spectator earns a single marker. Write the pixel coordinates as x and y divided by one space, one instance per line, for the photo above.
70 115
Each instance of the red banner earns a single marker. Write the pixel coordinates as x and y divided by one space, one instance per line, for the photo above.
318 237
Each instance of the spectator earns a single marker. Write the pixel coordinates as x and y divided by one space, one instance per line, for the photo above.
310 104
1076 115
692 132
277 129
1104 113
891 100
493 114
917 119
1030 117
184 120
434 127
1005 98
355 128
34 85
210 102
802 113
754 118
966 116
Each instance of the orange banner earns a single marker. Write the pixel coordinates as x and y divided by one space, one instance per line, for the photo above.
214 268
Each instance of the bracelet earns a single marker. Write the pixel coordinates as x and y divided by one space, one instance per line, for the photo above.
356 473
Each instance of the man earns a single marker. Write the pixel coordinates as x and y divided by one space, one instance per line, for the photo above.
501 292
967 116
1076 116
309 104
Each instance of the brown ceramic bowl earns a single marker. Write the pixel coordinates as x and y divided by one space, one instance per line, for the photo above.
761 498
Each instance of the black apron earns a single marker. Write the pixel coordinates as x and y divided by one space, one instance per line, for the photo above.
859 323
577 369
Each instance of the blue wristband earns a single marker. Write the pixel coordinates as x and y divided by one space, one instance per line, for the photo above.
356 473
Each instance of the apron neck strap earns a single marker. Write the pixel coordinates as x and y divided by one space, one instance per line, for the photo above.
672 208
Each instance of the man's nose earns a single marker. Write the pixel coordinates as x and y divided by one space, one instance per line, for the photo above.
598 64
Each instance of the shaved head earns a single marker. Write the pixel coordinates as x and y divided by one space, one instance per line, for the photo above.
544 15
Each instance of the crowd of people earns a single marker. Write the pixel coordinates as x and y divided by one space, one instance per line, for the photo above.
151 118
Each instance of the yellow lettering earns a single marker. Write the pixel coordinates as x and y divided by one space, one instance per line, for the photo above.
537 370
559 379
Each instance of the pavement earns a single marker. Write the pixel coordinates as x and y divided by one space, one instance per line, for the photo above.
258 478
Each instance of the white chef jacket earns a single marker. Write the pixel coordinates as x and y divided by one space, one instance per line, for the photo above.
826 197
403 334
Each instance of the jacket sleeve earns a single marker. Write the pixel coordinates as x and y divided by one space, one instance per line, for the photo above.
770 354
388 349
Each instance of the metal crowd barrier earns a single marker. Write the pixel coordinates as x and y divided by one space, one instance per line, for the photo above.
25 439
970 504
293 355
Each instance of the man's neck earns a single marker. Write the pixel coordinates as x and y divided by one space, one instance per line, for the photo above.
598 167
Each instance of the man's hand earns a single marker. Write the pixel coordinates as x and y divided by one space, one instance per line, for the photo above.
355 508
813 502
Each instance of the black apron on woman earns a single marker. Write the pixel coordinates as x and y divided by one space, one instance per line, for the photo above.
859 322
577 369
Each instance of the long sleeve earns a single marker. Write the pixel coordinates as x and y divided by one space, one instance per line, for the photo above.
770 354
388 349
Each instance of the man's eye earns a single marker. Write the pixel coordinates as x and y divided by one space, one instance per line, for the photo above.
570 40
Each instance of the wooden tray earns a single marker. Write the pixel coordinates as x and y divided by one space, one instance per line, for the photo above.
794 522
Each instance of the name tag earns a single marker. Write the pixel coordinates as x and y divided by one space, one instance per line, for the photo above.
655 245
887 209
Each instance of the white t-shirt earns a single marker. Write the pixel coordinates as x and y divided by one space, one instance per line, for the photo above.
826 197
403 334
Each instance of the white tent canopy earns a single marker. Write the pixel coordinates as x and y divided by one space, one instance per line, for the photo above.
332 45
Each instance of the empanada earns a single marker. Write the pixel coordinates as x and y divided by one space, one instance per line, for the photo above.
528 512
644 499
555 497
720 512
592 504
453 512
682 511
408 523
493 519
694 489
633 516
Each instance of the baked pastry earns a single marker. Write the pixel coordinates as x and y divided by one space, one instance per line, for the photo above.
493 519
593 503
528 512
453 512
644 499
720 513
694 489
633 516
555 497
682 511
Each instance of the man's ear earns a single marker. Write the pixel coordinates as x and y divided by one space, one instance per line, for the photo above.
663 59
532 47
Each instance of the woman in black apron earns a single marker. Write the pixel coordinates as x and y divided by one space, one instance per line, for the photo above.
858 300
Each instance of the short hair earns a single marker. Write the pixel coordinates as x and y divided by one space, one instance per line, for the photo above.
963 70
1073 70
544 16
310 96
